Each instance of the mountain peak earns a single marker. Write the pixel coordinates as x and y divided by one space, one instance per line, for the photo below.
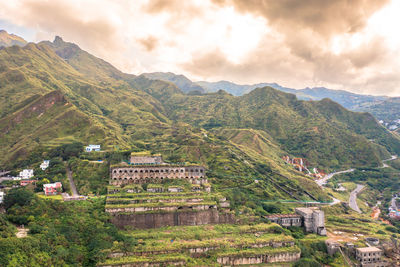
58 40
7 39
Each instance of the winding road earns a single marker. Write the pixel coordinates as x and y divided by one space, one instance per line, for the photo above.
383 161
353 198
325 179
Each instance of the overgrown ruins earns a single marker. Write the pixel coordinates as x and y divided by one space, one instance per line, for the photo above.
151 194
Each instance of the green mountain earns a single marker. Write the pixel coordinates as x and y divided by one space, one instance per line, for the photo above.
356 102
54 93
324 132
388 110
230 87
182 82
7 39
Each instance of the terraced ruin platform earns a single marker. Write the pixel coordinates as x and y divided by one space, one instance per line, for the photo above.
132 207
207 245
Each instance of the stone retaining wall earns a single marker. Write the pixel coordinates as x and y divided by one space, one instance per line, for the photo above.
155 220
258 259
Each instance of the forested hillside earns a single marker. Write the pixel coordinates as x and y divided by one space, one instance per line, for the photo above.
54 93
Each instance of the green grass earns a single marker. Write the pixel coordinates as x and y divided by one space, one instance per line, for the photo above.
54 197
216 240
161 204
203 231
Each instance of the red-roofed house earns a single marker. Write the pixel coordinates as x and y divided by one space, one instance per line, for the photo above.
26 182
52 189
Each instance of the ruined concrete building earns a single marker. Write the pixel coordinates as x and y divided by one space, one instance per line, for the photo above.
370 257
286 220
147 168
312 219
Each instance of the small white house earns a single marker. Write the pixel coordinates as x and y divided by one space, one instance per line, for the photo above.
91 148
45 164
1 197
26 173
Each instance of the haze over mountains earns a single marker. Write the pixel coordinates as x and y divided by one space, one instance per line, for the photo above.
58 93
7 39
376 105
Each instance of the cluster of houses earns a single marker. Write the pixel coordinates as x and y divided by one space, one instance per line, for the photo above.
91 148
25 177
394 211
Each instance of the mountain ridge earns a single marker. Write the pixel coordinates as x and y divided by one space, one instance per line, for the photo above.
229 135
7 39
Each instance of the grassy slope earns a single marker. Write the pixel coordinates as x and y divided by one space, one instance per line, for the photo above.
103 105
323 132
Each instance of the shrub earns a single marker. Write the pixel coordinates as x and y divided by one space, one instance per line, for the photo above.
18 196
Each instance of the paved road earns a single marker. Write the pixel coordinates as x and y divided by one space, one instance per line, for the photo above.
2 173
383 161
353 198
71 183
5 179
325 179
334 202
393 203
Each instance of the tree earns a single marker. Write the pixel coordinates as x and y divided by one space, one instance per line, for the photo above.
67 151
19 196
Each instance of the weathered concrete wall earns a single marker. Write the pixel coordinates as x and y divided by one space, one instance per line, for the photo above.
155 220
258 259
156 174
148 264
198 251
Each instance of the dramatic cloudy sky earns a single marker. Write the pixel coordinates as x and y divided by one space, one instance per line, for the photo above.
343 44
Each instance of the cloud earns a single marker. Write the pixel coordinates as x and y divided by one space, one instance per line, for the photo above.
323 17
303 56
340 44
150 43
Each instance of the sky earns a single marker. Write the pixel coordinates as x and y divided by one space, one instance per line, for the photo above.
340 44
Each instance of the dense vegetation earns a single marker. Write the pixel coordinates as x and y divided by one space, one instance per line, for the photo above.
56 98
60 233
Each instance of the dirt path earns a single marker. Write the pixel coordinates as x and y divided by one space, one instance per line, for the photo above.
375 213
71 183
22 232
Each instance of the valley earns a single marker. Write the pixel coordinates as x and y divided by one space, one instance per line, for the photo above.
105 168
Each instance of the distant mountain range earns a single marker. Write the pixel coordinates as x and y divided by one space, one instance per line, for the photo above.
55 93
183 83
384 108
